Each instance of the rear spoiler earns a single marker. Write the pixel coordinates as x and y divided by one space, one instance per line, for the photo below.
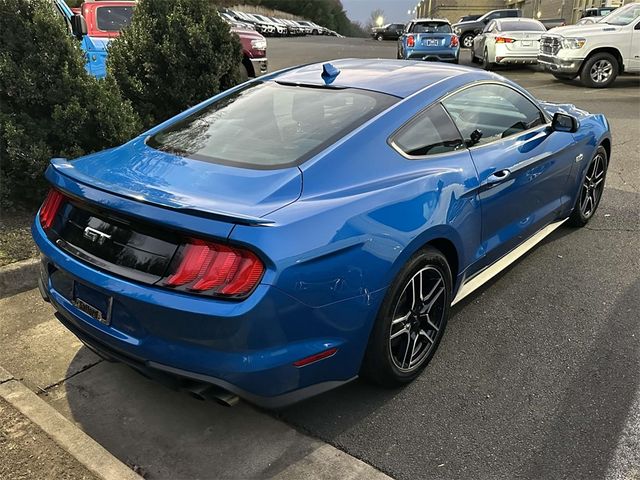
57 176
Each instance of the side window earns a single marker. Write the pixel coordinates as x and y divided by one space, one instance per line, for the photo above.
489 112
489 26
429 133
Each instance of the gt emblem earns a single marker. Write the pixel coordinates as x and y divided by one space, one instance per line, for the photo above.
579 157
95 236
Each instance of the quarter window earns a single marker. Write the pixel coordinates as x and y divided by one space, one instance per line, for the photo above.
429 133
489 112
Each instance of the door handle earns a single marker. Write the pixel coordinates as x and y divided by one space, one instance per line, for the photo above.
498 177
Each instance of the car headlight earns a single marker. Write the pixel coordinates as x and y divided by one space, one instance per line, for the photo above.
259 44
573 43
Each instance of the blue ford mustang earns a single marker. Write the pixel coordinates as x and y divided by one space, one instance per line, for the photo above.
317 224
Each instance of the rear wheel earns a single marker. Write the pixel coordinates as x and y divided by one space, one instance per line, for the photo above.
379 37
486 64
599 71
591 189
411 320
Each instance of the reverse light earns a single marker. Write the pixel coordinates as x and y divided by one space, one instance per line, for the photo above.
454 41
213 268
314 358
411 41
504 40
50 208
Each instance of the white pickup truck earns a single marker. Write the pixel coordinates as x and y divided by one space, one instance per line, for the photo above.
598 53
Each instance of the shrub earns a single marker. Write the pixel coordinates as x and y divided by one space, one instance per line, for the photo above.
49 105
172 56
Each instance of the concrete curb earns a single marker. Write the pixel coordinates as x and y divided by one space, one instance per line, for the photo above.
19 277
67 435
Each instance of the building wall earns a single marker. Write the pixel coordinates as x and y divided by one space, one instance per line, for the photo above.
452 10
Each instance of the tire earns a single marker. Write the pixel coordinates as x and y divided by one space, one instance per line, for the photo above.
244 73
379 37
467 40
565 77
486 64
599 70
385 361
591 189
398 56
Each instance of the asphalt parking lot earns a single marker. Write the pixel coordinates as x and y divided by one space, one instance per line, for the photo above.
537 377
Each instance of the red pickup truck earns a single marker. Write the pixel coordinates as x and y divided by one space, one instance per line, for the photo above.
105 19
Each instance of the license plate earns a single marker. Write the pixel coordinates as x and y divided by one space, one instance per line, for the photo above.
432 43
526 43
95 304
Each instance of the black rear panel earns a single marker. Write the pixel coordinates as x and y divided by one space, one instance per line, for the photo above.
117 244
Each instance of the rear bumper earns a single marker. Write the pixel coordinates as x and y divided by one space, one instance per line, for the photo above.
444 55
247 347
560 65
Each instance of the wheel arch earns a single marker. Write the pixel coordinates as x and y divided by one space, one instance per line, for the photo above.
610 50
249 66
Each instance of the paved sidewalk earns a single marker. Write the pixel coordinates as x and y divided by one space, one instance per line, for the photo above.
165 434
27 452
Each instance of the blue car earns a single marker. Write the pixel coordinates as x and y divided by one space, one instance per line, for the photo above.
429 39
297 231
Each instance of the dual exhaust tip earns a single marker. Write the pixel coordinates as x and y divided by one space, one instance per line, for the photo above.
205 391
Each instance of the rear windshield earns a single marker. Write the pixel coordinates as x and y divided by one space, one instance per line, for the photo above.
430 27
511 26
269 125
113 19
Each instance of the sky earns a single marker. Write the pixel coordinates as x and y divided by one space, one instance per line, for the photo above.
394 10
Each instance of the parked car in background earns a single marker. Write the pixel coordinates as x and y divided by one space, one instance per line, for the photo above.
597 53
429 39
508 41
233 22
466 31
550 23
314 28
468 18
391 31
221 253
95 24
597 12
279 29
588 20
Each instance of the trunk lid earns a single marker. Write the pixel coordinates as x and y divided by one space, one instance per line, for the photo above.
525 41
436 41
139 172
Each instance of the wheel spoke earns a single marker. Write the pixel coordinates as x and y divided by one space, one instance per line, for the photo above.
426 335
406 351
433 295
401 319
402 331
413 350
431 324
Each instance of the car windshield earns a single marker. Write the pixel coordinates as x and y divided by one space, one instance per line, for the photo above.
113 19
270 125
430 27
623 15
521 25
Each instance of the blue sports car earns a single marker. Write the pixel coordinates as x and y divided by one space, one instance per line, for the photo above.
299 230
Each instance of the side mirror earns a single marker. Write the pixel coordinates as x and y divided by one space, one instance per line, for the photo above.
564 123
78 26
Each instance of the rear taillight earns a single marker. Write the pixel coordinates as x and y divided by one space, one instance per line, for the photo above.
504 40
454 41
216 269
411 41
50 208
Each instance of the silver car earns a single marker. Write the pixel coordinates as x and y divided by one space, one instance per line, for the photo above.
508 41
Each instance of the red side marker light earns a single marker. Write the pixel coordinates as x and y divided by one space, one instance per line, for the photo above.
315 358
411 41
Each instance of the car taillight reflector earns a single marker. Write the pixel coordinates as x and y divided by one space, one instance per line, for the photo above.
454 41
504 40
208 267
411 41
314 358
50 208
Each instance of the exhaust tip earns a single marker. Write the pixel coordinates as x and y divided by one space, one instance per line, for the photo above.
211 392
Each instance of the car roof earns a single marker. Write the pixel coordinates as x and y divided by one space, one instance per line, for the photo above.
400 78
443 20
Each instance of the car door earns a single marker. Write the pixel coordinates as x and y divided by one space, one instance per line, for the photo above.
523 166
634 52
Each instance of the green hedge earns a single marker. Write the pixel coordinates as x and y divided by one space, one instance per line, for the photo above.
49 105
172 56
